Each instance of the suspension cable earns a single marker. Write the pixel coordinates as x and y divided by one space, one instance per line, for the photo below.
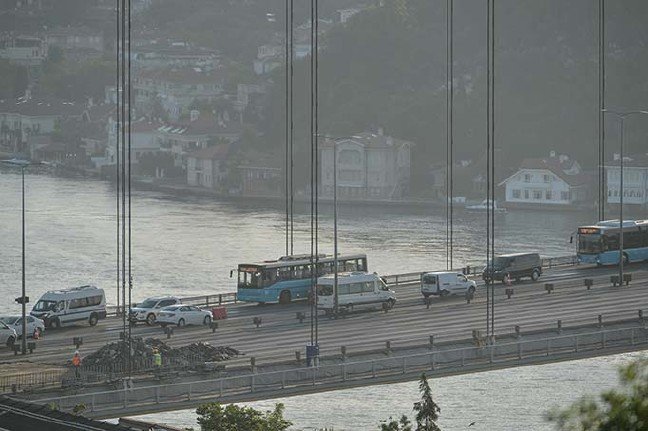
292 128
130 277
492 155
117 142
287 129
449 134
601 115
123 168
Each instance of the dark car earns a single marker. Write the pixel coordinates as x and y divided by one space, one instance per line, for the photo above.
516 265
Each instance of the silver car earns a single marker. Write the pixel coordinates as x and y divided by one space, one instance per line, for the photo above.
7 335
34 325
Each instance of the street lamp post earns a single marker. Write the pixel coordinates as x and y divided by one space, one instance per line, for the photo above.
335 231
22 164
622 115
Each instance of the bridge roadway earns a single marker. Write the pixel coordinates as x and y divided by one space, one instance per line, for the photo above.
409 323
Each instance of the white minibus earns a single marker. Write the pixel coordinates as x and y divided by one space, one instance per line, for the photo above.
62 307
354 288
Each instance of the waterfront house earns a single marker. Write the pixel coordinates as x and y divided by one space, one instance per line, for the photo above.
369 166
208 167
635 180
185 137
23 50
25 117
555 181
260 175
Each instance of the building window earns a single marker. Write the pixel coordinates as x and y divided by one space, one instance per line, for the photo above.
547 179
564 196
527 178
537 194
548 195
516 194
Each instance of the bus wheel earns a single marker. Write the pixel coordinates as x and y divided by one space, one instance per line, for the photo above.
285 297
390 304
55 324
535 275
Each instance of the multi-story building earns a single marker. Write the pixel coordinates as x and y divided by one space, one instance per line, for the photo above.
369 166
23 50
176 89
208 167
553 181
635 180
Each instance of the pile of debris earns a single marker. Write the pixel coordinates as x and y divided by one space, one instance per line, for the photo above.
194 355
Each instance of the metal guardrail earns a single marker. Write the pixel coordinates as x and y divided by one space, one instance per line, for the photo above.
309 378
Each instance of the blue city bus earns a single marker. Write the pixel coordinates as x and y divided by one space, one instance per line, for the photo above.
288 278
599 244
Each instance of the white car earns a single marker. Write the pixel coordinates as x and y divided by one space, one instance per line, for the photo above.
33 324
7 335
147 311
182 315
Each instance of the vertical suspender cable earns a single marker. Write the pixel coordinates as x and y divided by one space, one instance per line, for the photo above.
449 133
493 140
123 169
130 276
315 55
292 128
489 281
116 134
601 115
313 307
287 129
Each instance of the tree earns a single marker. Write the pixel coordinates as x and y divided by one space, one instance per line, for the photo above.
427 413
625 409
215 417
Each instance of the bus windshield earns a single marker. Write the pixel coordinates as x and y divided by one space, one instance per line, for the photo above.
249 278
324 290
589 244
44 305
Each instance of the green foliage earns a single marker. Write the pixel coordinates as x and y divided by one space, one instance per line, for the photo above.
427 413
403 424
14 80
618 409
214 417
77 81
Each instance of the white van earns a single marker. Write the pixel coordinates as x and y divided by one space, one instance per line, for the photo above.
354 288
446 283
62 307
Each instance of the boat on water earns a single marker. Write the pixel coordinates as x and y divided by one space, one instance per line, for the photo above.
484 206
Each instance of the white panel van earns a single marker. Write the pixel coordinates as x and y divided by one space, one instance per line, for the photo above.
446 283
354 288
79 304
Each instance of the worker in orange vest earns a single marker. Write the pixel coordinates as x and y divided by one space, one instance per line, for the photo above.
76 363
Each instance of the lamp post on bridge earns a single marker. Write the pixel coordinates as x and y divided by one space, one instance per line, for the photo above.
622 115
22 164
336 140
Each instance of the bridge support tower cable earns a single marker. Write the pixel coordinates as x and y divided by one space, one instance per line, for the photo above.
449 134
117 143
490 167
602 196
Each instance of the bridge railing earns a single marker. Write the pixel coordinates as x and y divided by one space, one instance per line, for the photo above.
475 357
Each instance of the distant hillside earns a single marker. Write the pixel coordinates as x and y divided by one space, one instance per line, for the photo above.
387 68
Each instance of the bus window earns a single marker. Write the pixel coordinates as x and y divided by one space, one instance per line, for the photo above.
368 287
249 279
611 241
343 289
284 273
589 244
355 288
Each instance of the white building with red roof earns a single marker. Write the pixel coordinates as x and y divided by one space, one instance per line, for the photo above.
554 181
635 180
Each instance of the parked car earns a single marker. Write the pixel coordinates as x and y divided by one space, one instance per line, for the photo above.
516 266
446 283
33 324
7 335
147 311
182 315
79 304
